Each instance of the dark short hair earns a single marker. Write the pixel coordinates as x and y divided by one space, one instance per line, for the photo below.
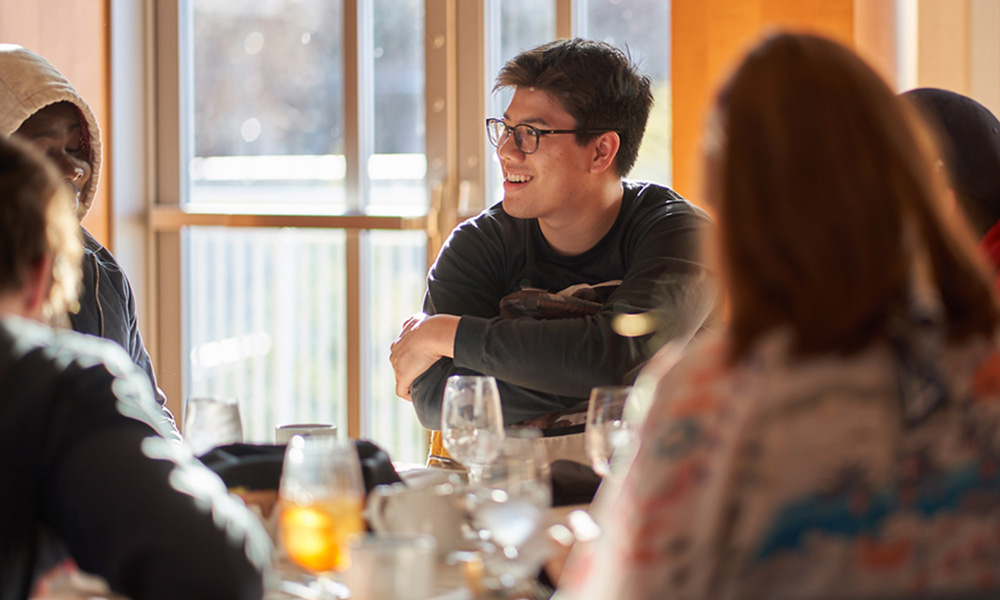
596 83
969 139
37 219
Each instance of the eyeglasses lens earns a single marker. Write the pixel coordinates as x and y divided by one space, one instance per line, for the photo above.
525 137
497 131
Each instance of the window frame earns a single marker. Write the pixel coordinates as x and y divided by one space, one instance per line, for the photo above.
449 48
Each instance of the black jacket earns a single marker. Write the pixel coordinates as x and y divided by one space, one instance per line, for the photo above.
107 307
130 506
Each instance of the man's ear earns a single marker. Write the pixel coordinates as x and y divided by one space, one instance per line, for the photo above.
605 150
35 291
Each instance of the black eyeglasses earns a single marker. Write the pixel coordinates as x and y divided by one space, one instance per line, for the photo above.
525 136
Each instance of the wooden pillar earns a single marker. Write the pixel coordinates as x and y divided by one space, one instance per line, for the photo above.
709 36
73 36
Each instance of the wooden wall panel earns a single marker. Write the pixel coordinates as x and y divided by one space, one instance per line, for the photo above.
709 36
958 48
73 36
876 37
943 46
984 60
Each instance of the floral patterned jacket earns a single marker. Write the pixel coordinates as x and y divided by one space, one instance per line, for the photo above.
770 478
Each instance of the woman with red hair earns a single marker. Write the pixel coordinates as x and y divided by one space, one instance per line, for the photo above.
842 438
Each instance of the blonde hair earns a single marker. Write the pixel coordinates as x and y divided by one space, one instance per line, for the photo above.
37 220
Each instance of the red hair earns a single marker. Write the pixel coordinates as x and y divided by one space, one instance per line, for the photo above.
828 203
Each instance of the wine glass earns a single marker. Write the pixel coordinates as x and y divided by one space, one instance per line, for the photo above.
471 422
509 507
320 502
608 432
211 422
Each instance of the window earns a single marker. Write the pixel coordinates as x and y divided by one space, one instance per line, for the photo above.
642 27
312 154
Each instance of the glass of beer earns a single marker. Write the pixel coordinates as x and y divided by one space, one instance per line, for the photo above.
320 500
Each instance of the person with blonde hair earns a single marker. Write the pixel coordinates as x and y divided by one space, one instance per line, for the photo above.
82 465
840 438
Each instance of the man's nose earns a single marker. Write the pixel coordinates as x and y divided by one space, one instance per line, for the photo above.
508 144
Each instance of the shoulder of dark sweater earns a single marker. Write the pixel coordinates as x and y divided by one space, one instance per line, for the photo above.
641 196
20 338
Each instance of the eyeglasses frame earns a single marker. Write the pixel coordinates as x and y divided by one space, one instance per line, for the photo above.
509 129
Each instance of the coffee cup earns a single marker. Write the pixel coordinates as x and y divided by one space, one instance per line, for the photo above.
437 509
284 433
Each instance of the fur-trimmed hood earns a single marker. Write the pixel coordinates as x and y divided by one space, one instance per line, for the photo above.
29 83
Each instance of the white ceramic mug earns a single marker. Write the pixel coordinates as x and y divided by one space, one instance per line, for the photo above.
436 509
283 433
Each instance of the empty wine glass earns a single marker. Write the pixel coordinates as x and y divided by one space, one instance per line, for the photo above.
211 422
608 432
471 422
509 507
320 503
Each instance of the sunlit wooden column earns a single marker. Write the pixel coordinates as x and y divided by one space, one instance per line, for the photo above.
441 115
708 36
358 146
166 301
74 37
957 48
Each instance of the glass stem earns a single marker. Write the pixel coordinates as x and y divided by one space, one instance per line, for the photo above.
476 475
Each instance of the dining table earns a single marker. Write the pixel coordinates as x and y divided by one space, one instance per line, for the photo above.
458 575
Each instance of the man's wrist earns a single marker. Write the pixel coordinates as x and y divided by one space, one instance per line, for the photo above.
445 329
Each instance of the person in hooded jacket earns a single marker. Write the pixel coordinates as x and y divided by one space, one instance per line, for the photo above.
39 105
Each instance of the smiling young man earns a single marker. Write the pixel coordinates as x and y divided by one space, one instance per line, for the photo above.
528 290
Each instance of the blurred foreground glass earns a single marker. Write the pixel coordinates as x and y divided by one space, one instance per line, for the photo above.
320 502
471 422
392 567
509 508
608 432
211 422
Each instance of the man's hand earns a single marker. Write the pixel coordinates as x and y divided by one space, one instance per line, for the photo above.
423 340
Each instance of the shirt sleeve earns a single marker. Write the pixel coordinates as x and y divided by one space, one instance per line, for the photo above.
550 365
137 509
137 352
